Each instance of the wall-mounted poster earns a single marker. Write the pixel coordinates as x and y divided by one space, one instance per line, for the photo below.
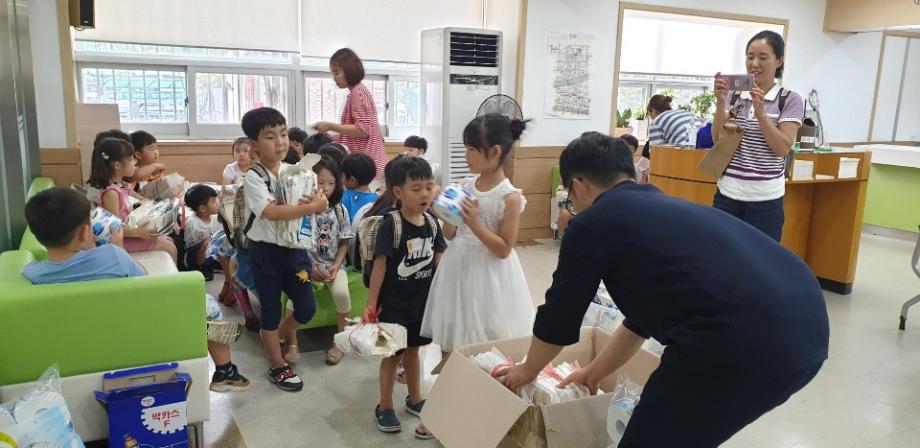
568 76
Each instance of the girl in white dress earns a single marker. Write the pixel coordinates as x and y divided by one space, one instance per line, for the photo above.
479 292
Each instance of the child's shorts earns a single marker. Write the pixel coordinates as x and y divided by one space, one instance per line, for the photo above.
244 275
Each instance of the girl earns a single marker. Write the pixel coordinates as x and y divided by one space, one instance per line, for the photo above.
752 187
241 161
480 294
116 162
332 230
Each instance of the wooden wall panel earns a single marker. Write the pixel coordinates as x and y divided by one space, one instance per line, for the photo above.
869 15
197 161
530 169
62 165
536 213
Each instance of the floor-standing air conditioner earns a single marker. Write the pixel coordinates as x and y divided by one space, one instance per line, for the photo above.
460 68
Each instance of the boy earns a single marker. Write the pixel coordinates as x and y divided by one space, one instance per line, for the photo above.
336 151
298 137
358 171
276 268
148 157
415 146
199 228
313 143
59 218
400 280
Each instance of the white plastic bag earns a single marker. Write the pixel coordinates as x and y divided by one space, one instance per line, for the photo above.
169 186
297 181
372 339
543 391
39 418
492 360
624 400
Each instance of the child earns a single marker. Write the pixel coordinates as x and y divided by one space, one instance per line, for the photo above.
332 230
199 228
642 165
116 162
235 170
59 218
358 171
337 151
313 143
93 193
298 137
276 268
415 146
481 294
400 280
147 153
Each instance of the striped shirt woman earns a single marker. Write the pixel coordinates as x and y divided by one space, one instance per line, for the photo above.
360 129
669 126
753 185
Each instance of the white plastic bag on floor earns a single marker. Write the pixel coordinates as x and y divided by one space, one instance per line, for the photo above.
372 339
39 418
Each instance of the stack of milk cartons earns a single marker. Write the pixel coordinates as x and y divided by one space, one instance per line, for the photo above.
848 168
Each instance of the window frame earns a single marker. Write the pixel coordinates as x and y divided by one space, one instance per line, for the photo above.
167 130
313 74
210 131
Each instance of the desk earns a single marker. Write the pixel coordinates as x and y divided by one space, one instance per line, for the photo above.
823 217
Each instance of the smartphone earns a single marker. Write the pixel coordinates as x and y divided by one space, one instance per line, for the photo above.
739 82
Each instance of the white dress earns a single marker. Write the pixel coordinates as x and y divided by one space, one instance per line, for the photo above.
475 296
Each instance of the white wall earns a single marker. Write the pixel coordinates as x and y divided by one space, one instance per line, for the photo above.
842 67
505 16
46 69
909 114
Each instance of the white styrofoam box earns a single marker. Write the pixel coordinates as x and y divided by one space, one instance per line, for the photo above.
803 169
848 168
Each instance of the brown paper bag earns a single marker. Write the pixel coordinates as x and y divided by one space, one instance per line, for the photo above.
718 158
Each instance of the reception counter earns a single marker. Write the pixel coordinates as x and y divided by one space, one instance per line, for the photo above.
823 216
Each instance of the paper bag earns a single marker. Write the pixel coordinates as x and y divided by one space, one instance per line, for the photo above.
717 159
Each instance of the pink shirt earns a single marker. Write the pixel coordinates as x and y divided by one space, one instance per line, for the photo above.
360 111
124 191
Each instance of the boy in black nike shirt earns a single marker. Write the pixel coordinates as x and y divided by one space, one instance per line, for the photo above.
408 247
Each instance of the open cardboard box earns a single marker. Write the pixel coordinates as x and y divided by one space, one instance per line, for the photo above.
469 408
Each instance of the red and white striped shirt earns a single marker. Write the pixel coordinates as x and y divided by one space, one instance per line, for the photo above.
360 111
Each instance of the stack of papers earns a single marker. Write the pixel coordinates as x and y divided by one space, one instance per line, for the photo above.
848 168
803 170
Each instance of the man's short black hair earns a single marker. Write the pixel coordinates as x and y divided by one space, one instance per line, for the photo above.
199 195
56 215
361 167
409 169
257 119
297 135
334 150
315 142
599 158
140 139
414 141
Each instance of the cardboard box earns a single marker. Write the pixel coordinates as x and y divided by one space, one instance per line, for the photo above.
469 408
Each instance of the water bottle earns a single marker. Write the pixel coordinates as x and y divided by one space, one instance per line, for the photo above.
691 134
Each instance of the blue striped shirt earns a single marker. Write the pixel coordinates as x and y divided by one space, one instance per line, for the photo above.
670 128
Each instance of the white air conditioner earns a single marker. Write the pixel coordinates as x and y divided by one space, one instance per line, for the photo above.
460 69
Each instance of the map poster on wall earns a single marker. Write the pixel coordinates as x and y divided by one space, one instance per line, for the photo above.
568 76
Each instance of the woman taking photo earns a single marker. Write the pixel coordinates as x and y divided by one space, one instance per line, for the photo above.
753 185
360 130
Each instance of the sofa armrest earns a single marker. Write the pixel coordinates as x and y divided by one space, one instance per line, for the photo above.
101 325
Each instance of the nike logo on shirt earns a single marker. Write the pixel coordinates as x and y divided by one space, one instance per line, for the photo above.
421 251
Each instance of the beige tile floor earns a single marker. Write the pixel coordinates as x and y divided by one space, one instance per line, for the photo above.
867 394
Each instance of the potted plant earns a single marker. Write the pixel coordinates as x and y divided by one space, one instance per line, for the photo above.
623 123
640 125
702 105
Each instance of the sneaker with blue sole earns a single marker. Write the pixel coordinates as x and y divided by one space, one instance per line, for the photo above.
387 421
415 409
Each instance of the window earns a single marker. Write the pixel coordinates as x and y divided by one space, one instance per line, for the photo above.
142 95
407 103
636 89
325 101
223 98
632 97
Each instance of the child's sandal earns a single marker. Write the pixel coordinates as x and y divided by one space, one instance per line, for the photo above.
421 432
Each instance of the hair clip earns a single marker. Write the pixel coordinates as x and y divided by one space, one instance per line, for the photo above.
104 156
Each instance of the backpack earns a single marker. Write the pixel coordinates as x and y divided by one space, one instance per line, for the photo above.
367 238
235 217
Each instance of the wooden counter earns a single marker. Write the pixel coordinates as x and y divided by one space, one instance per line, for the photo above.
823 217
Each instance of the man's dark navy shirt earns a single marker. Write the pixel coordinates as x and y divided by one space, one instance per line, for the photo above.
717 292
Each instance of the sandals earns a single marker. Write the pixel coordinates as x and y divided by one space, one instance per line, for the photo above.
334 356
291 354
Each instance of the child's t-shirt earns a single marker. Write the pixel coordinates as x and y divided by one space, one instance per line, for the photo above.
257 198
410 267
197 230
354 200
232 172
329 231
104 262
